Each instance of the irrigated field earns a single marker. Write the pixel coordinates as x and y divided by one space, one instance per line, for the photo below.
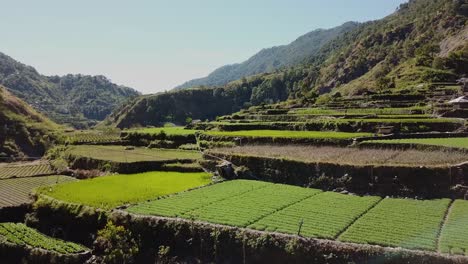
288 134
454 237
368 111
114 190
120 154
14 192
25 170
22 235
354 156
446 142
404 223
407 223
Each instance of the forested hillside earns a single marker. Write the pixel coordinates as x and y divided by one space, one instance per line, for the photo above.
271 59
423 42
78 100
23 131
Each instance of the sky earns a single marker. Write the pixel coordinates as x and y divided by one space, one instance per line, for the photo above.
154 45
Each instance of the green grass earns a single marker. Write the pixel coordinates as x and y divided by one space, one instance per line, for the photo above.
288 134
22 235
167 130
324 215
407 223
114 190
454 236
119 154
446 142
377 111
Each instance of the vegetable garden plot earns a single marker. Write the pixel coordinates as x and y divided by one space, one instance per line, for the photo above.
22 235
454 235
250 207
178 205
14 192
324 215
120 154
445 142
407 223
92 137
114 190
19 171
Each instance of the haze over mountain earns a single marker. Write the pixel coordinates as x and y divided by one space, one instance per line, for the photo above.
79 100
270 59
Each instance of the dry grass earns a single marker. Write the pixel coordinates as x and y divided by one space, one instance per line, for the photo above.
352 156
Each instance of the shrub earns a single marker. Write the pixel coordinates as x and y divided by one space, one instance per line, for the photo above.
116 244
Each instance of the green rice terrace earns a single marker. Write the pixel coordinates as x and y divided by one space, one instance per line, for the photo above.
445 142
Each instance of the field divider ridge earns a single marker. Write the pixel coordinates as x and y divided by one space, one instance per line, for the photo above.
442 225
357 218
284 207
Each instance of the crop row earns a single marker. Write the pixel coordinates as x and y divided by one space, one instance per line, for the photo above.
407 223
454 236
14 192
92 137
25 171
22 235
404 223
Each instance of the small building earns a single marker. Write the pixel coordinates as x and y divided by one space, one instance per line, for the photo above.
460 102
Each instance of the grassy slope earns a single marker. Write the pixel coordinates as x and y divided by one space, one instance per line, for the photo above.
24 130
111 191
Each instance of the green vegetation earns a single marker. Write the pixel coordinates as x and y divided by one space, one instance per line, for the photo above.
288 134
15 192
366 111
404 223
24 170
92 137
446 142
78 100
166 130
453 238
22 235
324 215
114 190
120 154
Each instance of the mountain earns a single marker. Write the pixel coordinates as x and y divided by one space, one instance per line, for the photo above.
23 131
422 42
271 59
79 100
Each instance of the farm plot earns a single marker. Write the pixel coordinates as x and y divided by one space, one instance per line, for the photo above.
120 154
324 215
454 236
20 234
287 134
353 156
183 203
25 170
369 111
92 137
461 142
407 223
170 131
14 192
114 190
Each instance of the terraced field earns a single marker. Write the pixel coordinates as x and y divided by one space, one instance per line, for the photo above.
120 154
404 223
25 170
454 236
92 137
166 130
287 134
368 111
22 235
461 142
14 192
407 223
114 190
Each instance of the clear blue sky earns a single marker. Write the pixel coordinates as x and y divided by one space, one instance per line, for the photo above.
155 45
